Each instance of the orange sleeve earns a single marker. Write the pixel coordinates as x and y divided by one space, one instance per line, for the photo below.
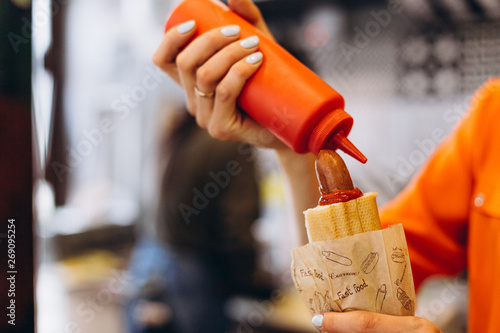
434 207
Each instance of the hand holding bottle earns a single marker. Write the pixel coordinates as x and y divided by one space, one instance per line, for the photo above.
217 64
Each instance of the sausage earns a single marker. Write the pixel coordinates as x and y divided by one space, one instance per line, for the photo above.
334 179
332 172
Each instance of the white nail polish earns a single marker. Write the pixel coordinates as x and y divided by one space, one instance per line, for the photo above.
230 30
250 42
254 58
318 320
185 27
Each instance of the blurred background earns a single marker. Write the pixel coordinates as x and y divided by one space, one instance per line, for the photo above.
100 111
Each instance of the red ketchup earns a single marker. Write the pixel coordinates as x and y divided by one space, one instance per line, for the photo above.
339 196
284 96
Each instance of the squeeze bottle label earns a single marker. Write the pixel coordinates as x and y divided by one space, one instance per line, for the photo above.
284 96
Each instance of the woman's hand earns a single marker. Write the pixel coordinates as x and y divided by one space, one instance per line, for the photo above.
212 69
370 322
218 66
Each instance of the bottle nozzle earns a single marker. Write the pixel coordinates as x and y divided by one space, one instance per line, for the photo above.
342 142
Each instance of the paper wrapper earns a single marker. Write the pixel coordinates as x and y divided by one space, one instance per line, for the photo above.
368 271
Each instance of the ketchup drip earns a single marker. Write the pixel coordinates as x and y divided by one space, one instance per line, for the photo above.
339 196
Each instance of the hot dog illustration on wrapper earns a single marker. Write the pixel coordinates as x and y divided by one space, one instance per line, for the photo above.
398 257
379 300
337 258
370 262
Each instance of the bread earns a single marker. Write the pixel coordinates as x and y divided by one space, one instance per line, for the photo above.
343 219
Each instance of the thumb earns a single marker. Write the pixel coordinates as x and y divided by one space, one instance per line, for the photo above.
370 322
357 321
250 12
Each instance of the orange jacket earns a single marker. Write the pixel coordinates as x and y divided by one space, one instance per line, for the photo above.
451 209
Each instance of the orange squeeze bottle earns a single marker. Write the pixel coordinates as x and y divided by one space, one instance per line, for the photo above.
284 96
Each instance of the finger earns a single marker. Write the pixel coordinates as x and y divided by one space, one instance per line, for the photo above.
225 116
370 322
227 123
215 68
212 72
250 12
173 42
197 53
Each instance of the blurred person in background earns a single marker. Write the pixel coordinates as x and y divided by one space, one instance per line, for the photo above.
202 250
449 210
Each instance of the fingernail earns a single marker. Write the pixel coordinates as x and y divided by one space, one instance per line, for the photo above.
250 42
318 320
254 58
185 27
230 30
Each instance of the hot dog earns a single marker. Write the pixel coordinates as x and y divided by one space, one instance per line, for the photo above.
343 210
361 277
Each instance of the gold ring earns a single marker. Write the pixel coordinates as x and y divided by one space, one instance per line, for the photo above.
202 94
